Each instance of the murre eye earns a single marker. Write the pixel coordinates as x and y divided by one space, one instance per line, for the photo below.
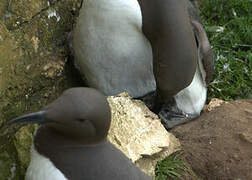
81 120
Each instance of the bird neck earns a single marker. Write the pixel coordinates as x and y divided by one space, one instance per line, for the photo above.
47 139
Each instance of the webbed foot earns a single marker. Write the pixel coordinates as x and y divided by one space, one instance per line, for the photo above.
172 116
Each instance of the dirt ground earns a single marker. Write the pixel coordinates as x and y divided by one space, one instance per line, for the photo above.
218 145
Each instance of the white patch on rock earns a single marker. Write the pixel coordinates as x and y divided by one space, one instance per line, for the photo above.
53 13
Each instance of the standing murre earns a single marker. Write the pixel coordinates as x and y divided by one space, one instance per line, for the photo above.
71 141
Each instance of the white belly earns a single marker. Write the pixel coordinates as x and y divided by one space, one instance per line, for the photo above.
192 99
110 48
41 168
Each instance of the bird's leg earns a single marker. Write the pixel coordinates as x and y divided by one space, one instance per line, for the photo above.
150 100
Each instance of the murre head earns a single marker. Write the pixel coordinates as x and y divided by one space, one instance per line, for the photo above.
82 114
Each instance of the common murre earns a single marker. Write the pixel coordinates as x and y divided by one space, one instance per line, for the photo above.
115 55
110 49
71 141
182 58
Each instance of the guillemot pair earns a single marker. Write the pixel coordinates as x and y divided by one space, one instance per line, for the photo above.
71 142
143 46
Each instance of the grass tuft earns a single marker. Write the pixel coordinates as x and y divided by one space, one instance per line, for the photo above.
172 167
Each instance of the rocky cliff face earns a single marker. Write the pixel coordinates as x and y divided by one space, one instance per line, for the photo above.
33 72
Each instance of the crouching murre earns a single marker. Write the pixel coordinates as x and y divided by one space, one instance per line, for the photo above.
71 141
182 57
156 50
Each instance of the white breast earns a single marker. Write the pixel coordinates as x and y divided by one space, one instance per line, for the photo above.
128 8
110 48
192 99
41 168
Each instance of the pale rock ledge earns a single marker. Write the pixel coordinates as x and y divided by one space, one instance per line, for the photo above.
138 133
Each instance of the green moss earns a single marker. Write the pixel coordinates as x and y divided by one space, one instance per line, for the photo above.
26 9
2 7
22 141
26 49
9 168
22 11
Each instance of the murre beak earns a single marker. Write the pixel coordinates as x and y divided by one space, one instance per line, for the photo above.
32 118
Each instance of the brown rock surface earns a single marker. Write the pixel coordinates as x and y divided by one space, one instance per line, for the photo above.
218 145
